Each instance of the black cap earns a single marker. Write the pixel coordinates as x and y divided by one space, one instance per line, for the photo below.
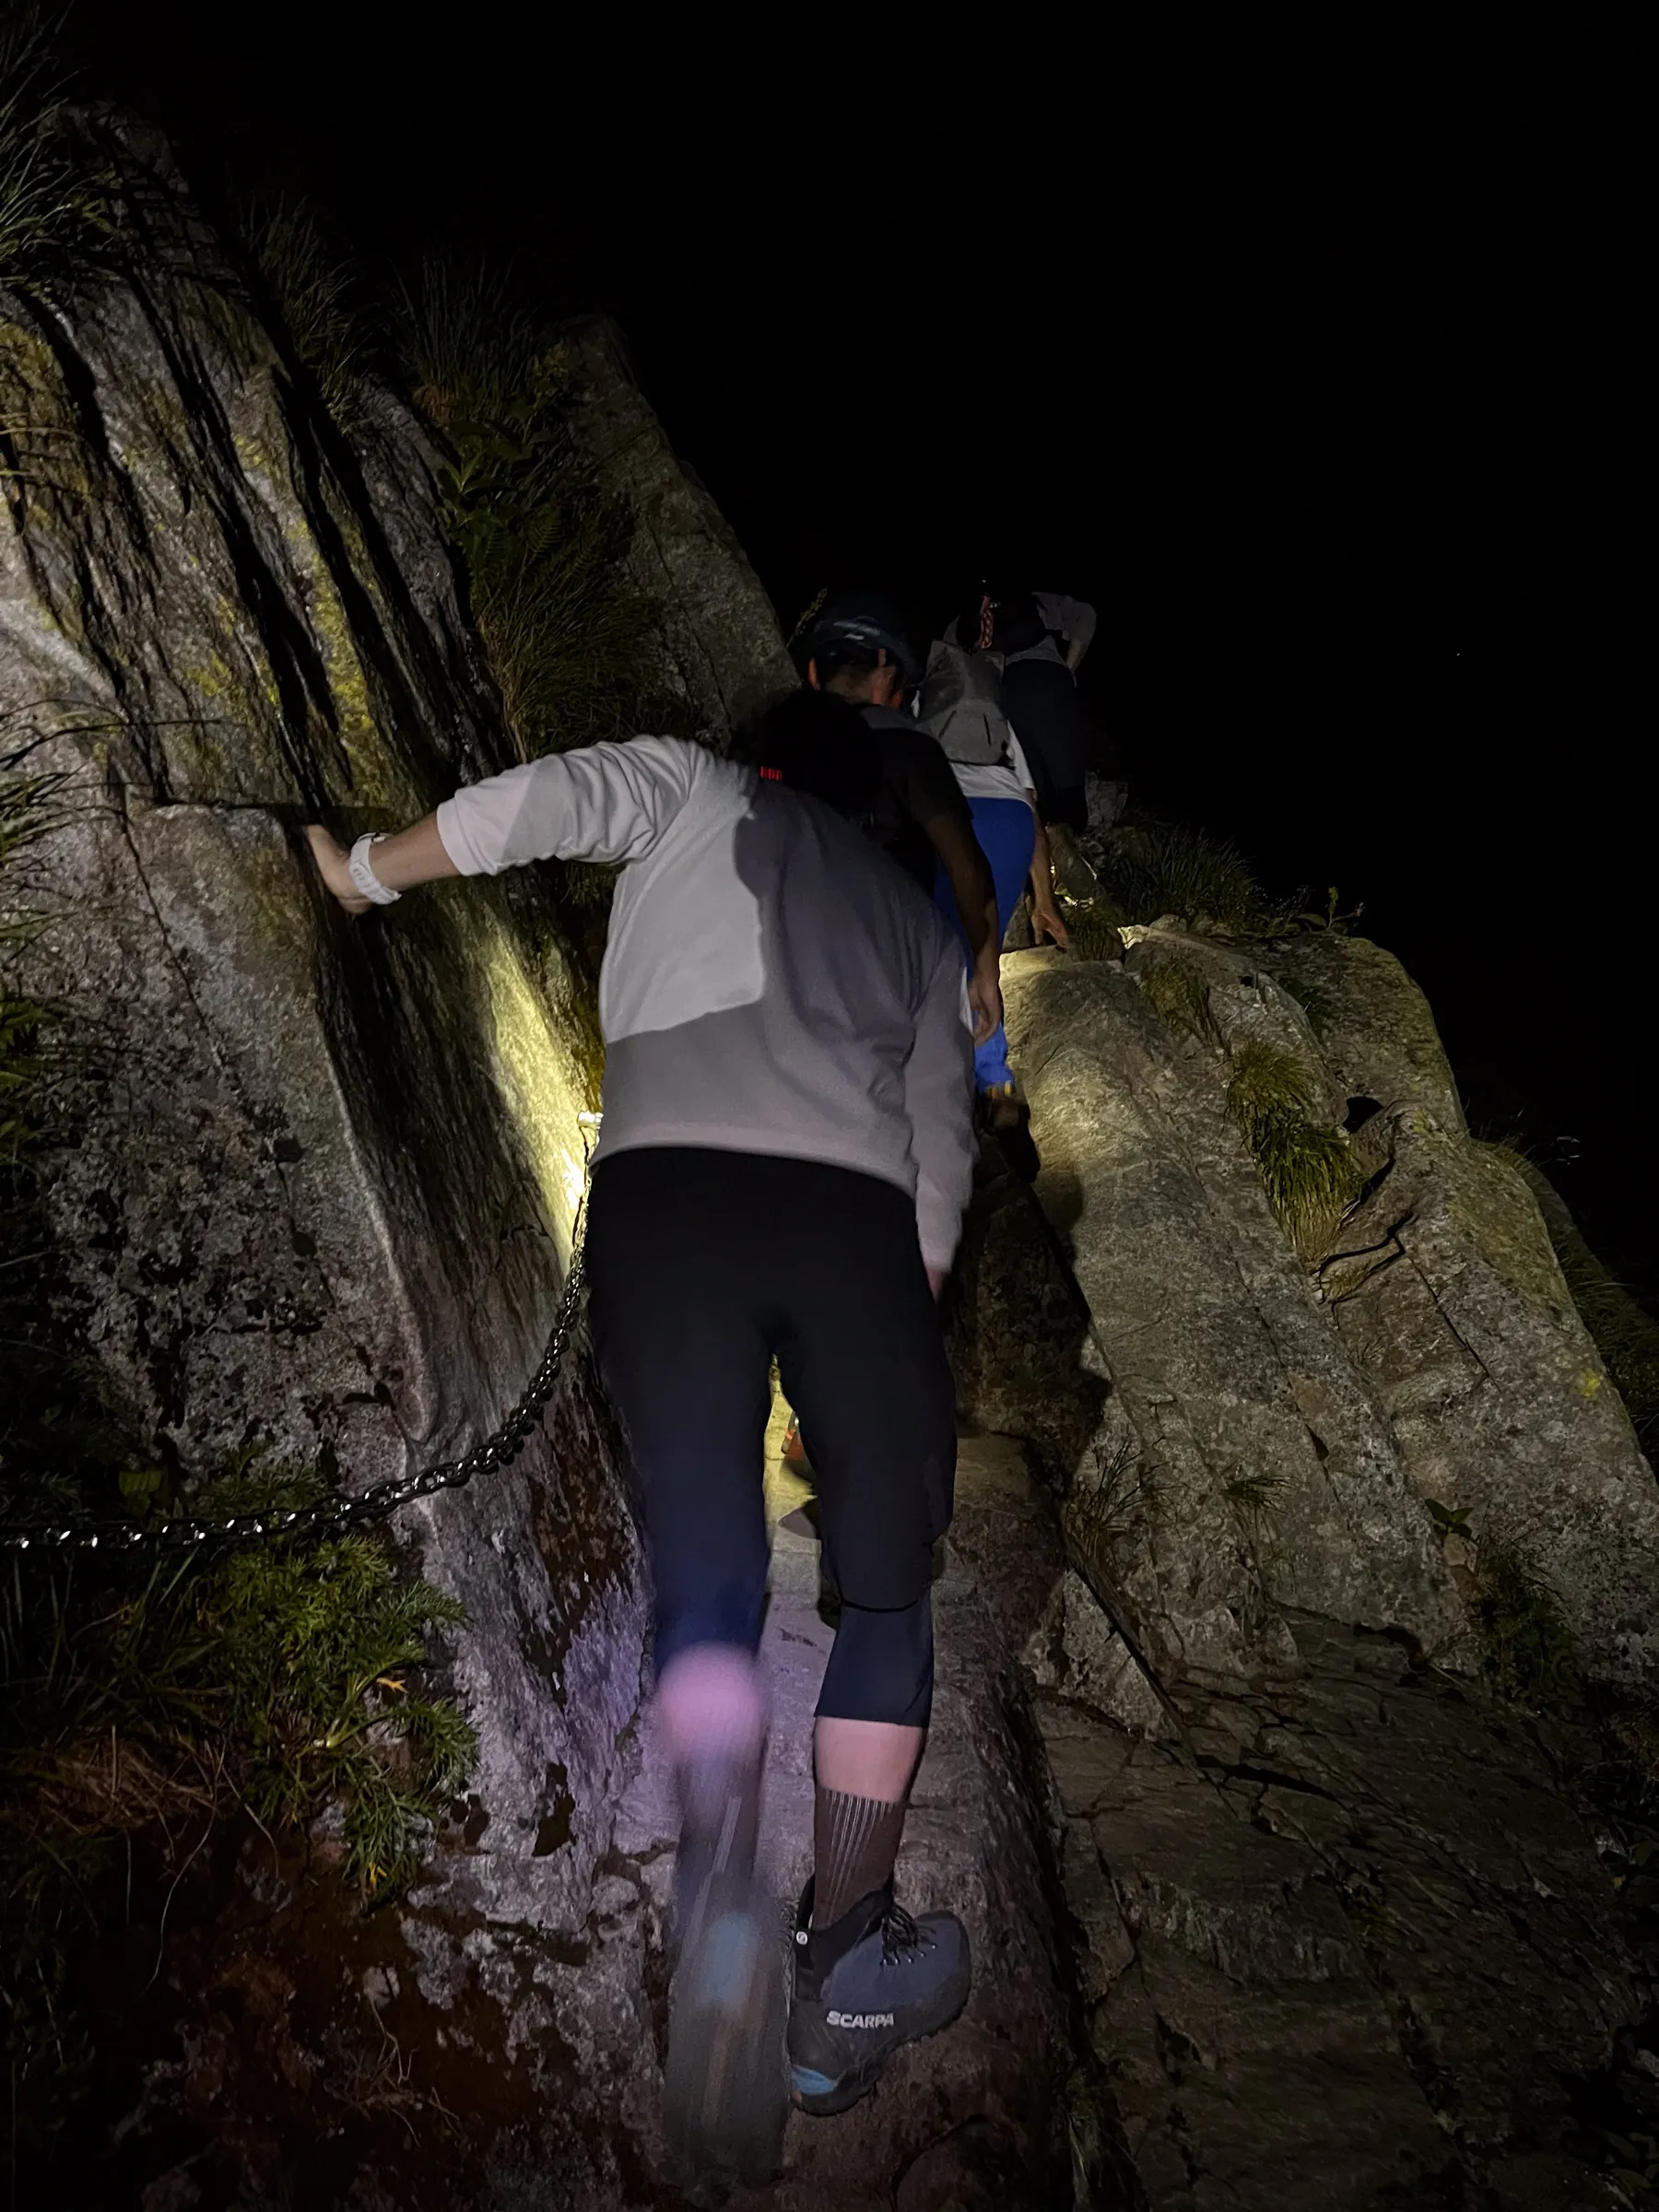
869 623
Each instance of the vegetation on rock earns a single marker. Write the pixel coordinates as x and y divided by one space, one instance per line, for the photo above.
312 290
1310 1174
1178 992
545 544
1153 868
157 1692
53 204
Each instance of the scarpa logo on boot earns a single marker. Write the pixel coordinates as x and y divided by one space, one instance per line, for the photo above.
860 2019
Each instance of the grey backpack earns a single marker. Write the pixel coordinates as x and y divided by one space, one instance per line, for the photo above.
962 705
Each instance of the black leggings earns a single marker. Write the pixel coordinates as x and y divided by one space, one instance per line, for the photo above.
704 1266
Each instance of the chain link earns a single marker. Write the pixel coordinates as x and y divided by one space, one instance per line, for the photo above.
499 1450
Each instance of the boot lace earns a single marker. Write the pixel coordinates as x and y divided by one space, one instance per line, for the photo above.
901 1939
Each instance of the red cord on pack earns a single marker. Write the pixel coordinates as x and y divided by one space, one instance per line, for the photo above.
987 628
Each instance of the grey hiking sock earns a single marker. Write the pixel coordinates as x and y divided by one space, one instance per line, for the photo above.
855 1844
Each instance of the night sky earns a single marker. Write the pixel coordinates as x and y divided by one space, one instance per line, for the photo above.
1313 368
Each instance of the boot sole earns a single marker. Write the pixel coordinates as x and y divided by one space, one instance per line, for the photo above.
725 2098
851 2088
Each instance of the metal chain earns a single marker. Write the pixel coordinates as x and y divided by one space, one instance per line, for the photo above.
499 1450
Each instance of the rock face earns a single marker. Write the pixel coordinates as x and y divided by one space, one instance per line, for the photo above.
718 644
312 1182
1336 1931
1335 1904
1271 1903
1273 1432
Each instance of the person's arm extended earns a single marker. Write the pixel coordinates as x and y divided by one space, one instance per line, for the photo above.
938 1099
603 802
1045 915
413 856
1073 618
975 892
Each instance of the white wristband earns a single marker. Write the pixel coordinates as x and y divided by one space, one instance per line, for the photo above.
368 884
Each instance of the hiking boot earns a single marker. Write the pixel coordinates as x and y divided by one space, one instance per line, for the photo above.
725 2097
1008 1118
873 1982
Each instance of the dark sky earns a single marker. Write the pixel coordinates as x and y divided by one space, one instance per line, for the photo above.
1313 366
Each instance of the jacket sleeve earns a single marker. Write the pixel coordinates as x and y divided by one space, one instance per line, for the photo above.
938 1098
601 802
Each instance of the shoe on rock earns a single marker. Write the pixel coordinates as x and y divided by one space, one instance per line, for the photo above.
874 1982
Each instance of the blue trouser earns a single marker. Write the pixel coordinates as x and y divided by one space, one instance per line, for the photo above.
1007 831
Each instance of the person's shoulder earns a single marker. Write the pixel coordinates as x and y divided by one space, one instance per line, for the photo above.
901 739
889 722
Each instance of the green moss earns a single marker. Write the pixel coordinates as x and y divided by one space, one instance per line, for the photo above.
1483 1202
42 455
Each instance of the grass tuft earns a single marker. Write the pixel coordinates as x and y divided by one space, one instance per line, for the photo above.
1124 1500
1315 1002
546 546
313 292
1155 868
1309 1173
53 206
1178 993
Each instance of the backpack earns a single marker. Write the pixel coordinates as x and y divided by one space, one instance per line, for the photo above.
962 705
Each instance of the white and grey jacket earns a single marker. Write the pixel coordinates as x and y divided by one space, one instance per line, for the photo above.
772 983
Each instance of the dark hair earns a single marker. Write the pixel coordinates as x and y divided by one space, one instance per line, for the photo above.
816 743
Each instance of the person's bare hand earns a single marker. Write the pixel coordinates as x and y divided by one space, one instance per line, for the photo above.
984 1000
330 857
1046 922
935 1279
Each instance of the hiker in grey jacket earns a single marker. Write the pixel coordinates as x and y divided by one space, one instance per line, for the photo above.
787 1037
